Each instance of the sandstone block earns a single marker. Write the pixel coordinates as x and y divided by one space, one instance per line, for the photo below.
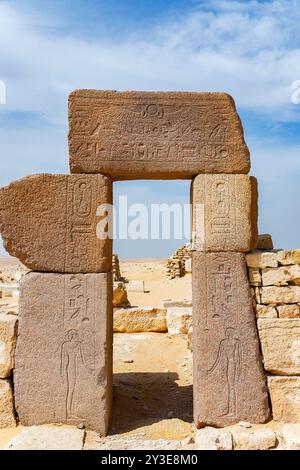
8 335
141 319
280 343
254 277
281 275
280 295
286 257
285 398
213 439
63 361
291 436
265 242
288 311
262 259
120 298
229 383
224 213
49 222
47 438
148 135
249 439
265 311
179 320
7 415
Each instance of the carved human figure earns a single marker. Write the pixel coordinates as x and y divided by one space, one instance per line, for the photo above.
230 352
71 356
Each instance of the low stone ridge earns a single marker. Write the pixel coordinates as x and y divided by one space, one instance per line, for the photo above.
8 336
63 361
224 213
148 135
49 222
229 382
284 395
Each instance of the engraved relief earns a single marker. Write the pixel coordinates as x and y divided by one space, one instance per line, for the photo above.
222 296
82 198
220 207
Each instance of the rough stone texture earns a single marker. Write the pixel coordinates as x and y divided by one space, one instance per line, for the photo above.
47 438
213 439
265 242
63 361
179 320
254 277
265 311
49 222
280 343
120 298
262 259
289 311
286 257
8 334
224 213
7 416
281 275
250 439
291 436
229 383
140 319
285 398
280 295
147 135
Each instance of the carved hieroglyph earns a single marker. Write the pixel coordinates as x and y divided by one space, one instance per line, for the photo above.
224 213
130 135
63 363
49 222
229 384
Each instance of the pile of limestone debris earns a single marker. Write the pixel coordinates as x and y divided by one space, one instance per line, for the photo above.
180 262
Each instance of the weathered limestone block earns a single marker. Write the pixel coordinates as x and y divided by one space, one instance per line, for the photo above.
280 295
7 415
262 259
224 213
286 257
265 242
229 383
249 439
8 335
281 275
265 311
285 398
120 298
49 222
179 320
63 362
147 135
213 439
280 343
291 436
141 319
288 311
254 277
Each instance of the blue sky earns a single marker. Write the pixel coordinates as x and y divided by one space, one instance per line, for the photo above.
250 49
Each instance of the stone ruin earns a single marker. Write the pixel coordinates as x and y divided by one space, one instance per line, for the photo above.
180 262
63 360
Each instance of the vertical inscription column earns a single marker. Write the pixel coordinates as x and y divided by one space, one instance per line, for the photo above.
229 383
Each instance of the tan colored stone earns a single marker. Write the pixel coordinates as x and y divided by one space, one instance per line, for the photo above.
141 319
289 311
49 222
224 213
250 439
281 275
262 259
63 361
8 335
280 295
291 436
47 438
286 257
265 311
179 320
257 295
7 416
120 298
213 439
265 242
229 383
254 277
280 343
147 135
285 398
